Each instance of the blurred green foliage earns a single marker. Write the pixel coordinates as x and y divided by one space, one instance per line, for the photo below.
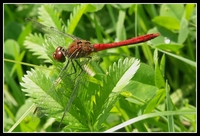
171 57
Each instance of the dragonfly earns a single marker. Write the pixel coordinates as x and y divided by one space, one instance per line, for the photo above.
80 48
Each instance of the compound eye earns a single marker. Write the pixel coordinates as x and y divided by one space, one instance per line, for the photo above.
59 54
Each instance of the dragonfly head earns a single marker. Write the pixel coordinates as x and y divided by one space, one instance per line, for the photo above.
59 54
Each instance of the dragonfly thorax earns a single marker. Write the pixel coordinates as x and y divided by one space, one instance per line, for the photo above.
79 49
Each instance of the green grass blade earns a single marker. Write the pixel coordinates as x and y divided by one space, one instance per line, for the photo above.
150 115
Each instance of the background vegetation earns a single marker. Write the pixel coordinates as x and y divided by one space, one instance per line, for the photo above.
154 93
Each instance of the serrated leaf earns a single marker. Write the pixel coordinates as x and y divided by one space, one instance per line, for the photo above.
50 16
34 44
76 128
50 98
118 77
75 17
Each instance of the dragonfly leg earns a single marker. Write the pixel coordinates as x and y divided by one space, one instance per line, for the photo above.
75 70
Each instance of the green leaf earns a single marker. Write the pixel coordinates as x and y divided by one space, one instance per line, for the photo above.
12 51
187 61
155 101
174 47
136 91
75 17
163 64
70 7
167 22
35 44
11 47
120 27
150 115
66 7
17 93
159 80
118 78
172 10
183 32
125 76
28 121
140 85
147 53
142 18
188 10
94 7
147 72
49 16
15 27
121 6
169 108
50 98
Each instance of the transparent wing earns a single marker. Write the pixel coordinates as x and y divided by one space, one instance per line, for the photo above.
55 94
50 30
64 88
64 91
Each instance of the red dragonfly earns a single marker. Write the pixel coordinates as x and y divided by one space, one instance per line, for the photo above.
82 48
